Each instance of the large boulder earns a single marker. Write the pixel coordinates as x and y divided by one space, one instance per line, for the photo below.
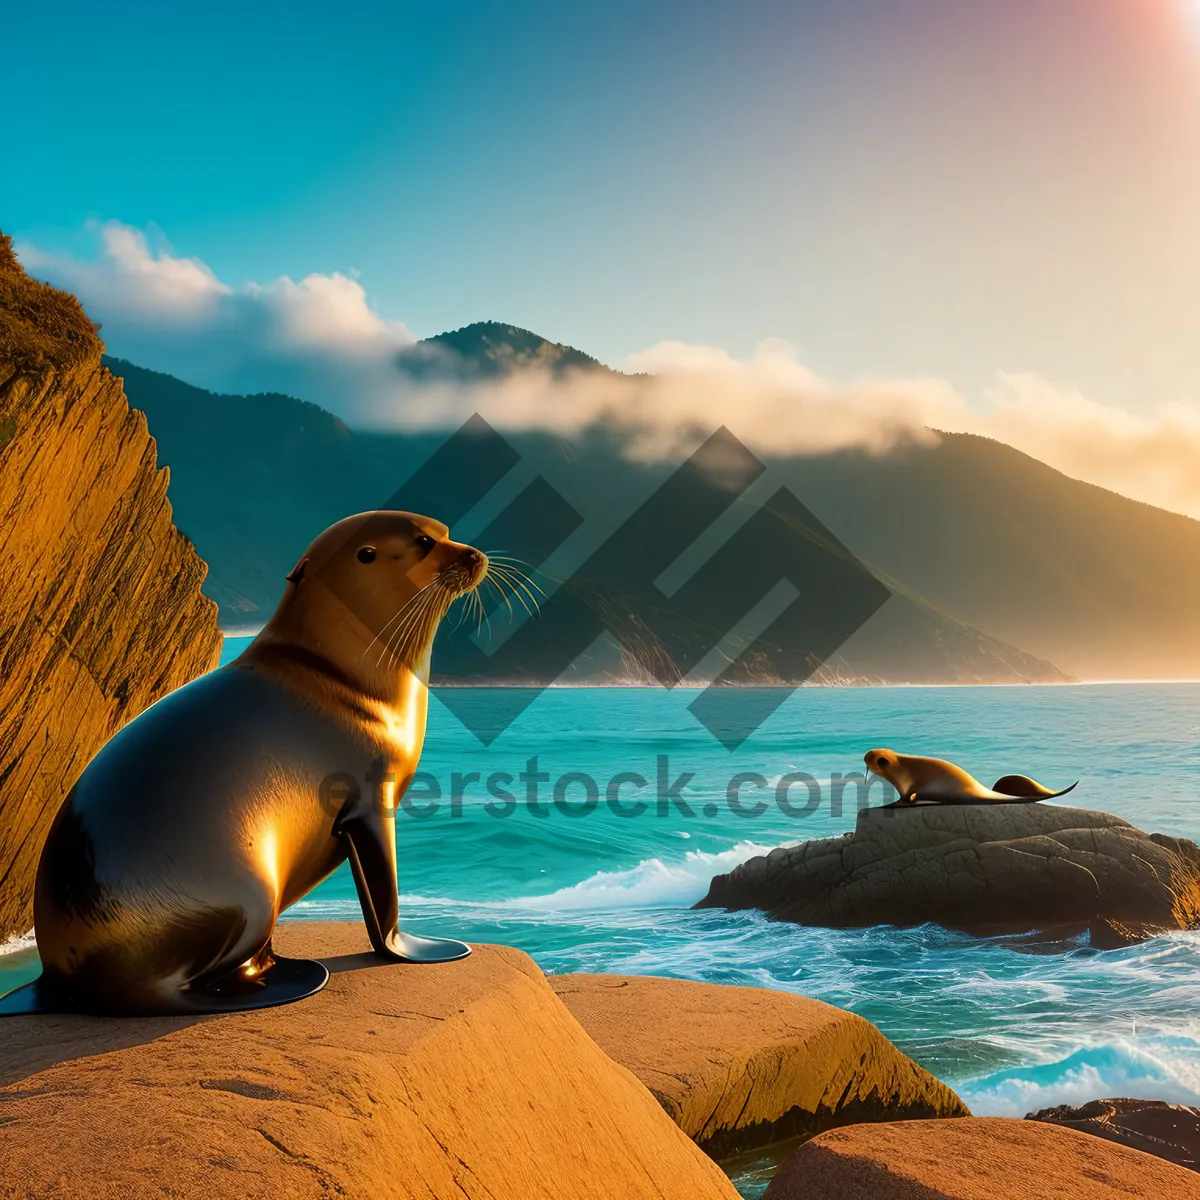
738 1067
980 1158
100 605
467 1079
1170 1131
986 869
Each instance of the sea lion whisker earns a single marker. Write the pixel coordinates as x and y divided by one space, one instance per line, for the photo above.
483 619
407 614
422 621
517 581
473 606
522 578
396 616
396 646
518 566
501 593
413 637
522 575
463 612
505 585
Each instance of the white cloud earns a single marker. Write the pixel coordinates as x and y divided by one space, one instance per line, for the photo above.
1153 457
320 339
681 394
329 311
130 278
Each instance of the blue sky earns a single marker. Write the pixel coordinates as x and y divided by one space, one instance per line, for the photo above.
972 191
895 186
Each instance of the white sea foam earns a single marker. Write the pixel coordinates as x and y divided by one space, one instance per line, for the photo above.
24 941
653 883
1090 1073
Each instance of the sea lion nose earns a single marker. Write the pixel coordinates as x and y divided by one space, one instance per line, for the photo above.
470 564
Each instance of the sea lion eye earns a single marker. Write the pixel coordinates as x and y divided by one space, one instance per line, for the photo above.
366 554
424 542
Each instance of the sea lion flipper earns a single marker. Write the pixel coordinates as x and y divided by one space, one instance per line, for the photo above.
283 981
1021 788
415 949
24 1000
372 854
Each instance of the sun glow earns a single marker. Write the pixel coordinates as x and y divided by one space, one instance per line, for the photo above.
269 858
405 719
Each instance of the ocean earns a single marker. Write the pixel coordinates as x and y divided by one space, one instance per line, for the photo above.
1010 1025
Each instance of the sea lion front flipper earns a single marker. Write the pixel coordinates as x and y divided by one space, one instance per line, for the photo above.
372 852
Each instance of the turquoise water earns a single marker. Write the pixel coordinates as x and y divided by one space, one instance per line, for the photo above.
1011 1026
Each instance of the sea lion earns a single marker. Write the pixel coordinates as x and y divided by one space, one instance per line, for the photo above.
189 833
936 781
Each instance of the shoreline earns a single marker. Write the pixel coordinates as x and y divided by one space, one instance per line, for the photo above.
699 686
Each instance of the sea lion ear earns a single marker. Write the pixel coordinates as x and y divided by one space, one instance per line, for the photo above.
297 572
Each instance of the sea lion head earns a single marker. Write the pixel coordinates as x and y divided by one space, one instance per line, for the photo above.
390 556
377 581
887 764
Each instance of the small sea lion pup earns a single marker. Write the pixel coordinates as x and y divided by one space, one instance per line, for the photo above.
203 819
936 781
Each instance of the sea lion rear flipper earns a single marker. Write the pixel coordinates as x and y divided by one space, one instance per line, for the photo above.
371 849
1063 792
281 981
1015 789
25 1000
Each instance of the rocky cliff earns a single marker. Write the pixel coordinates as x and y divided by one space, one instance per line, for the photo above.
100 605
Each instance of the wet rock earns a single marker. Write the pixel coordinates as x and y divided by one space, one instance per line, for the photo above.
1170 1131
982 869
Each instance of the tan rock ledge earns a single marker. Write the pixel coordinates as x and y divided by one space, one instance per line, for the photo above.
739 1067
981 1158
466 1079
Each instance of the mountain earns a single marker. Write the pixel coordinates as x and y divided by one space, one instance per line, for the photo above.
984 549
253 478
489 350
1104 586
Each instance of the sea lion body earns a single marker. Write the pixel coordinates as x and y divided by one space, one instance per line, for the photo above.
195 826
922 780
